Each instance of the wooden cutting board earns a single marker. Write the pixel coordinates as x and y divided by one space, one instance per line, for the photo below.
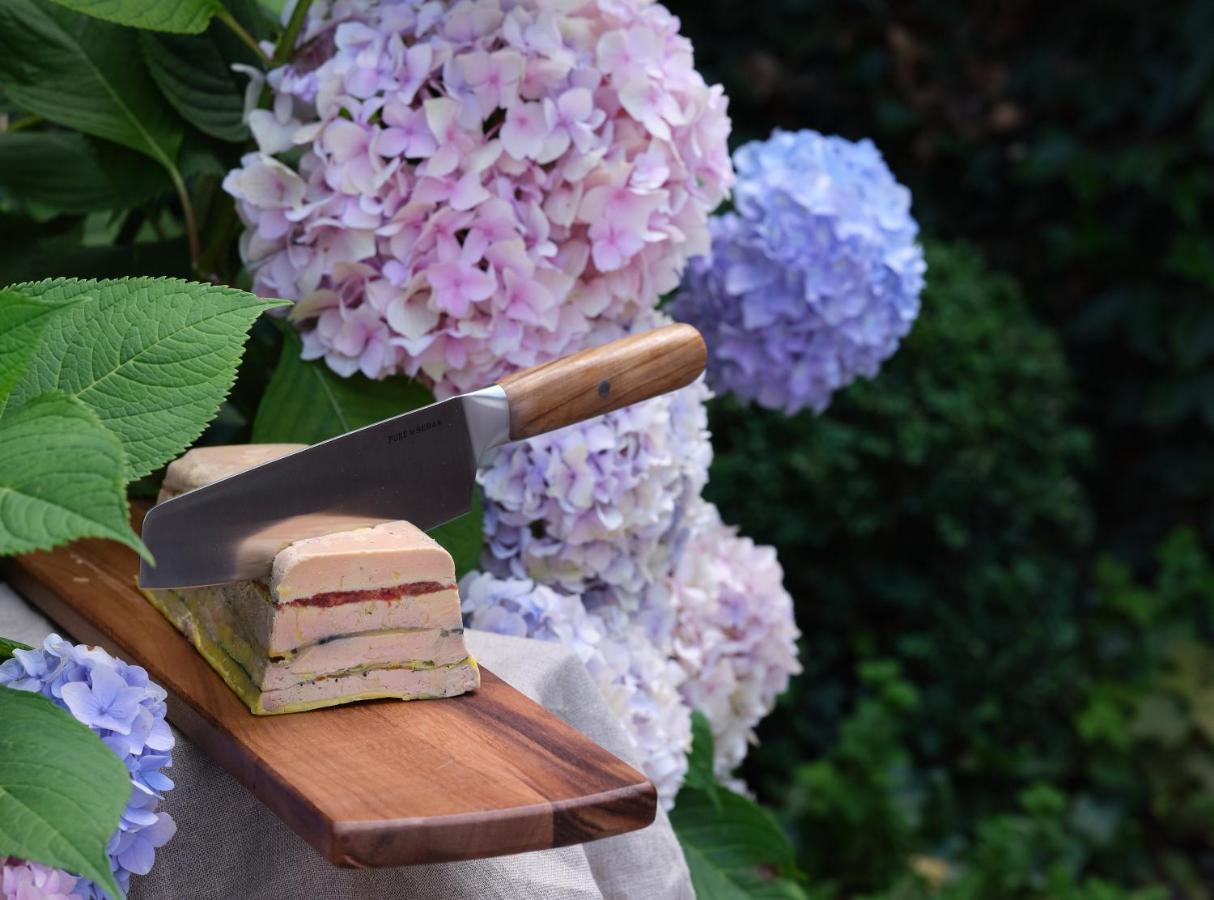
378 783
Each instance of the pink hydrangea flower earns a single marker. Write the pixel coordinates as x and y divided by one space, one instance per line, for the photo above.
735 636
479 187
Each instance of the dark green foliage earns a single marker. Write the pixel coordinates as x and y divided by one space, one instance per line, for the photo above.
851 812
932 516
1131 815
1072 142
1147 715
734 847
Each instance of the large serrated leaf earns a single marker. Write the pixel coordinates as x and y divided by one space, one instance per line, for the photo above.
22 321
180 16
85 74
196 79
61 790
61 477
153 357
307 402
734 848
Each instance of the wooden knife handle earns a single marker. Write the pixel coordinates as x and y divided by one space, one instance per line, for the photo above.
596 381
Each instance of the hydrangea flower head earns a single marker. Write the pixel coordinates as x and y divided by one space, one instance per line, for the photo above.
479 186
22 880
735 636
596 509
639 682
814 278
126 709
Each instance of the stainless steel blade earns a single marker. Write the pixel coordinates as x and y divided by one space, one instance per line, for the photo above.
419 466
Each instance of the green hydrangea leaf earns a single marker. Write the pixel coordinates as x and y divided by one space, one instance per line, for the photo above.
464 537
179 16
152 357
55 169
700 774
61 477
307 402
734 848
85 74
62 791
62 254
7 646
22 321
195 78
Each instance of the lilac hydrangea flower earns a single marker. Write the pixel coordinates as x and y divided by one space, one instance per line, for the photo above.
596 509
479 186
813 280
638 681
126 709
735 637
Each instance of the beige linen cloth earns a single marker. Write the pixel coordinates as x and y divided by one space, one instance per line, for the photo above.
230 846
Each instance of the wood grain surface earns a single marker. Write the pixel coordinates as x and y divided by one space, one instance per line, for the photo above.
596 381
378 783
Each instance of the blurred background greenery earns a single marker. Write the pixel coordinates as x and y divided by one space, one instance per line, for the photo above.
1000 547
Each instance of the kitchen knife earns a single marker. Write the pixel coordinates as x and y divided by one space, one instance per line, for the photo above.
420 466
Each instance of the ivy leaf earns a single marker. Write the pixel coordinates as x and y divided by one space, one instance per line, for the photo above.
7 647
85 74
180 16
62 791
307 402
196 79
61 477
152 357
734 848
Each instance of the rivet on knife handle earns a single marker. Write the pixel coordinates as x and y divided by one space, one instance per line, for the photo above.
596 381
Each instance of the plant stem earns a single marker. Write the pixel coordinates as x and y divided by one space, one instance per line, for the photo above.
237 29
286 42
222 228
187 209
285 45
25 122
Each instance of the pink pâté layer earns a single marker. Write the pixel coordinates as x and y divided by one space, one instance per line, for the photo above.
372 612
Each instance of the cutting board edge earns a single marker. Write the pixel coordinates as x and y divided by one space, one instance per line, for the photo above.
369 843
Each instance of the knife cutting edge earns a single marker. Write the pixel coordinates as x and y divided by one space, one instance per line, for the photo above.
419 466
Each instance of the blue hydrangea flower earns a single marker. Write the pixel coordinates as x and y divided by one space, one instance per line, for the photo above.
125 708
813 280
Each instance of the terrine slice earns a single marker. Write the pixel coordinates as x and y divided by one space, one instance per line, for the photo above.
372 612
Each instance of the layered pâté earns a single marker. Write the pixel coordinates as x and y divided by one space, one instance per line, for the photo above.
356 615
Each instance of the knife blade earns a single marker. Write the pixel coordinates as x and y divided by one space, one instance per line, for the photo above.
420 466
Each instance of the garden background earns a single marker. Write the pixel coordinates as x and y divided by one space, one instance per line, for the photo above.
999 548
